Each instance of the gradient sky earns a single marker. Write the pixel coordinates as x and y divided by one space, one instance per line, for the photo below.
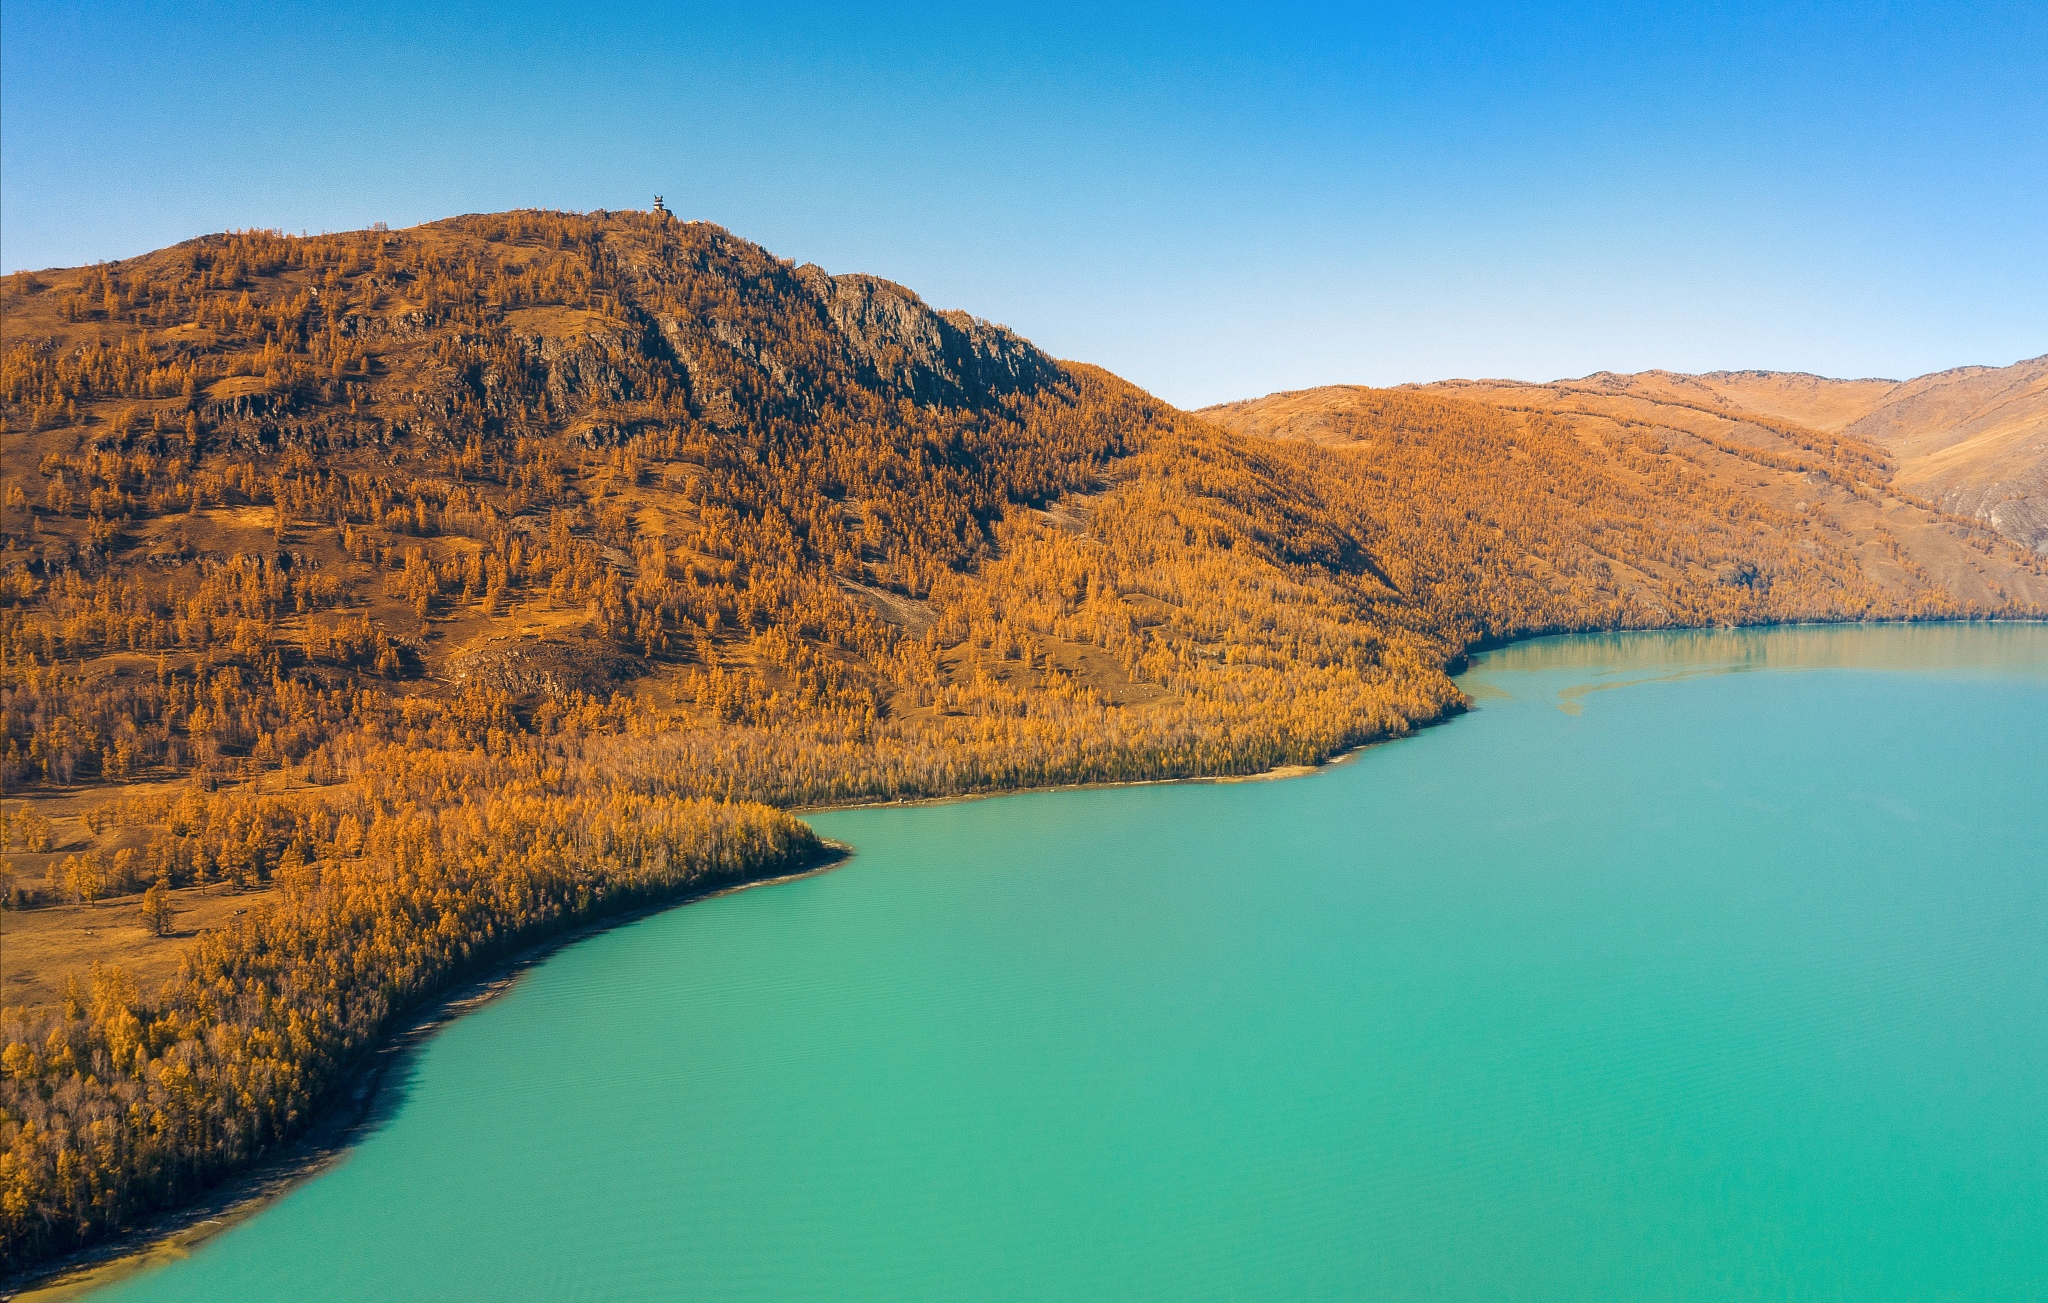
1215 202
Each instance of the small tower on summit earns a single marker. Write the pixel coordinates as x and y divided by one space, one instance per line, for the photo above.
660 210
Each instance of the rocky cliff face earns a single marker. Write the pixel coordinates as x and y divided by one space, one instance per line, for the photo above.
929 357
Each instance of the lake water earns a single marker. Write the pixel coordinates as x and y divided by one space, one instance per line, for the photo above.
1647 979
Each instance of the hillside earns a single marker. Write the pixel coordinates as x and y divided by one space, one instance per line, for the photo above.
1686 515
374 604
1973 441
593 457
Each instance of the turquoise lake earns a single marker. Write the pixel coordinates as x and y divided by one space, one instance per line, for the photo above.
1698 966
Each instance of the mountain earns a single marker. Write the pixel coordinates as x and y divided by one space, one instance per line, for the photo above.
375 604
542 455
1975 440
1972 441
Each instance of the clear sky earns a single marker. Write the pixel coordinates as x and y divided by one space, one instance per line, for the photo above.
1215 202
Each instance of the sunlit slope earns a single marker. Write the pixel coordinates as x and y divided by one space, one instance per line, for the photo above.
1972 441
625 473
1693 514
1976 441
1794 397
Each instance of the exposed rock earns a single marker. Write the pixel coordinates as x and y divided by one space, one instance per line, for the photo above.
907 613
553 666
933 357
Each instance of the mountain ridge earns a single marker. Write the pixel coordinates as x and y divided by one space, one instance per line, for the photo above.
1971 440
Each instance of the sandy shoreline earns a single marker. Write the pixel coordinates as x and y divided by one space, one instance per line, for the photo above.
345 1119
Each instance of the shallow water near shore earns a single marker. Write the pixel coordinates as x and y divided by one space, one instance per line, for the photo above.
1690 966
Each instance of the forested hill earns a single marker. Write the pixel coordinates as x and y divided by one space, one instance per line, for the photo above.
626 473
372 604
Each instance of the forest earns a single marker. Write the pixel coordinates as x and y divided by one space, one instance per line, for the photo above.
436 590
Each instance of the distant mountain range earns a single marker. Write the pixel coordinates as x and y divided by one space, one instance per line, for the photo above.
1971 442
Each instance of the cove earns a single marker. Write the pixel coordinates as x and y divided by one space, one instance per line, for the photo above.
1686 966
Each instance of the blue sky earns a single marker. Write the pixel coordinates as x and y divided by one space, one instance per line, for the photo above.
1215 202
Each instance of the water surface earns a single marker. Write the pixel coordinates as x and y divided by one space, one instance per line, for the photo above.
1647 979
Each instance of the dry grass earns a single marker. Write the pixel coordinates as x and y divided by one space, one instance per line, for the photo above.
1971 563
41 948
1973 441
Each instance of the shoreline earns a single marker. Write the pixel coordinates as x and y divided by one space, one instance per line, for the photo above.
1459 663
1275 774
175 1233
349 1116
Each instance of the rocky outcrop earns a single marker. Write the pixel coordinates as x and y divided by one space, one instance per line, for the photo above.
901 343
551 666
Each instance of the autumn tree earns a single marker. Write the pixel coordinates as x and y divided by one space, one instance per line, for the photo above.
156 906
